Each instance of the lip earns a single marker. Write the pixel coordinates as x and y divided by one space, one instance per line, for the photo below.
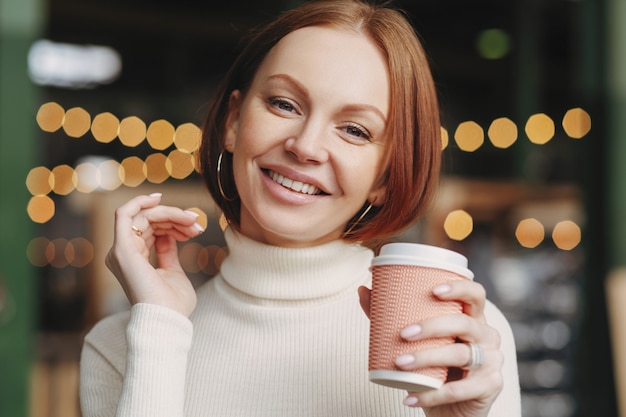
287 194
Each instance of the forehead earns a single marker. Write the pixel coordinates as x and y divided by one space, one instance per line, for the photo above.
331 59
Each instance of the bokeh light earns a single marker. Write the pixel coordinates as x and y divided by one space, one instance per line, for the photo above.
179 164
65 179
39 181
566 235
187 137
82 251
57 252
77 122
160 134
109 175
202 217
530 233
133 171
540 128
493 43
188 255
576 123
469 136
87 177
40 208
36 251
223 222
156 168
502 132
210 259
458 225
105 127
445 139
50 117
132 131
60 253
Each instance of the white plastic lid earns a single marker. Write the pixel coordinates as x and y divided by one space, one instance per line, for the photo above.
423 255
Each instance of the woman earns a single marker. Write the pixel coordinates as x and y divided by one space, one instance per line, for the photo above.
321 143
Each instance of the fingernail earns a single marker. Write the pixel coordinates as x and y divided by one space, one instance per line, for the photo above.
193 213
405 360
411 331
410 401
198 227
442 289
155 195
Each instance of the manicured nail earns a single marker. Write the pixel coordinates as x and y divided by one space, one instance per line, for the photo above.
411 331
442 289
193 213
155 195
410 401
197 226
405 360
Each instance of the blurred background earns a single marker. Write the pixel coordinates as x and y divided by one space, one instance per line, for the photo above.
101 101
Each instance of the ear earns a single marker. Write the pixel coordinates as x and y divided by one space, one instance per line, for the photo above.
232 120
377 196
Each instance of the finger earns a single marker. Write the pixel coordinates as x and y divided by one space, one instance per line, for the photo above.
453 355
470 293
167 253
179 234
172 220
126 213
459 326
364 300
480 388
183 230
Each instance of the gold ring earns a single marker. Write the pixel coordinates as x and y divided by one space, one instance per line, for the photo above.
136 230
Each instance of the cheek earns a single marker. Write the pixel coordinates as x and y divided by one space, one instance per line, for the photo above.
360 174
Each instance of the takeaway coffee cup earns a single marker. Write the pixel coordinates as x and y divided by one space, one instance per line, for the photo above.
403 277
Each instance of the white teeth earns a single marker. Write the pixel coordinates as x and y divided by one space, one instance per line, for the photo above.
294 185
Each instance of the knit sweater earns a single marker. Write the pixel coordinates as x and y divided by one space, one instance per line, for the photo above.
278 332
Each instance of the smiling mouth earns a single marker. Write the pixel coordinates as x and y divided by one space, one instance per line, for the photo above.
297 186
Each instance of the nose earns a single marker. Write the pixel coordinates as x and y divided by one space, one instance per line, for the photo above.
308 144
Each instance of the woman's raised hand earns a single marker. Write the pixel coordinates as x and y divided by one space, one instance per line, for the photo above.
470 390
142 225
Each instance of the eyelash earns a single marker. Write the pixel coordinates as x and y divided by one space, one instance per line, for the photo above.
361 132
279 101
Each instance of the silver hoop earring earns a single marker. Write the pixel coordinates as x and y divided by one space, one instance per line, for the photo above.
219 178
369 207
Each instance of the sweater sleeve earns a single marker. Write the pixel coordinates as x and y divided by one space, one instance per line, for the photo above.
508 402
136 365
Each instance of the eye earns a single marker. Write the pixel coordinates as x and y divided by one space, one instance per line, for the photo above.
357 131
282 104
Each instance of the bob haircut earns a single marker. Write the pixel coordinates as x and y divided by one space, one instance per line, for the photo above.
413 156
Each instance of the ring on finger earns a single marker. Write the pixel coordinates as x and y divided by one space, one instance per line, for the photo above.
476 356
137 231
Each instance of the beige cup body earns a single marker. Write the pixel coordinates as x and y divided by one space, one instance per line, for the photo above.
402 295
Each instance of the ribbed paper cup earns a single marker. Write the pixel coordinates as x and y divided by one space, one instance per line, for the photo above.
403 277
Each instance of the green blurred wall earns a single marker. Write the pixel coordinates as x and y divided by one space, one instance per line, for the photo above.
20 23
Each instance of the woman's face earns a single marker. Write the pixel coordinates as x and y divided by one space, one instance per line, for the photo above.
308 137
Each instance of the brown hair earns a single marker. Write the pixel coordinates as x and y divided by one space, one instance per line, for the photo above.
414 151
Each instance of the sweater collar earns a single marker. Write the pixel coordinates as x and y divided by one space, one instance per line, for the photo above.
273 272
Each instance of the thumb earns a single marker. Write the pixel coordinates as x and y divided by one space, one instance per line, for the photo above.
167 253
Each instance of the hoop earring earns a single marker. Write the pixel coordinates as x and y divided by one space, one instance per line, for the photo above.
219 178
369 207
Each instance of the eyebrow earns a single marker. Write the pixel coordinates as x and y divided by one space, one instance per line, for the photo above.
347 108
290 80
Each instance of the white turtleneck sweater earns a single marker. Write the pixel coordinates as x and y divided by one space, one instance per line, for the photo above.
278 332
